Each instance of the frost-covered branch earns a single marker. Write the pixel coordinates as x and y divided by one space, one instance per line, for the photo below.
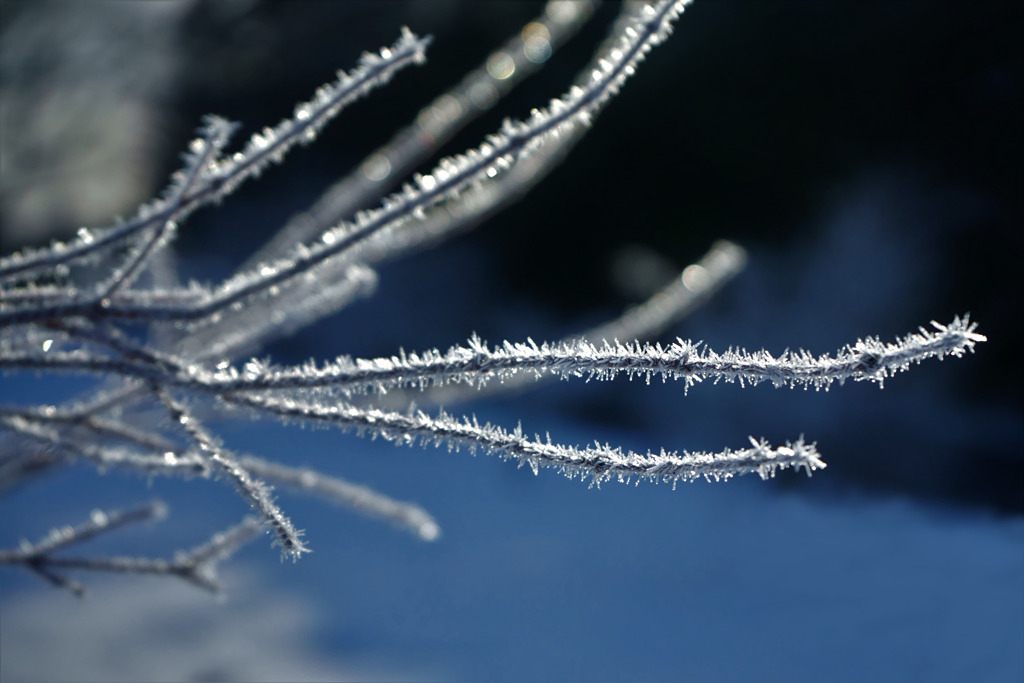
99 523
480 90
408 516
598 462
477 363
697 283
198 565
253 490
208 177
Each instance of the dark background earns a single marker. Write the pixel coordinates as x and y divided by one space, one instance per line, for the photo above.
867 154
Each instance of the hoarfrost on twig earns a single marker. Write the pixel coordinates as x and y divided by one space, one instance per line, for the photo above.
178 355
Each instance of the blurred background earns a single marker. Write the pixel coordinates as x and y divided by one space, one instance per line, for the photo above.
866 154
